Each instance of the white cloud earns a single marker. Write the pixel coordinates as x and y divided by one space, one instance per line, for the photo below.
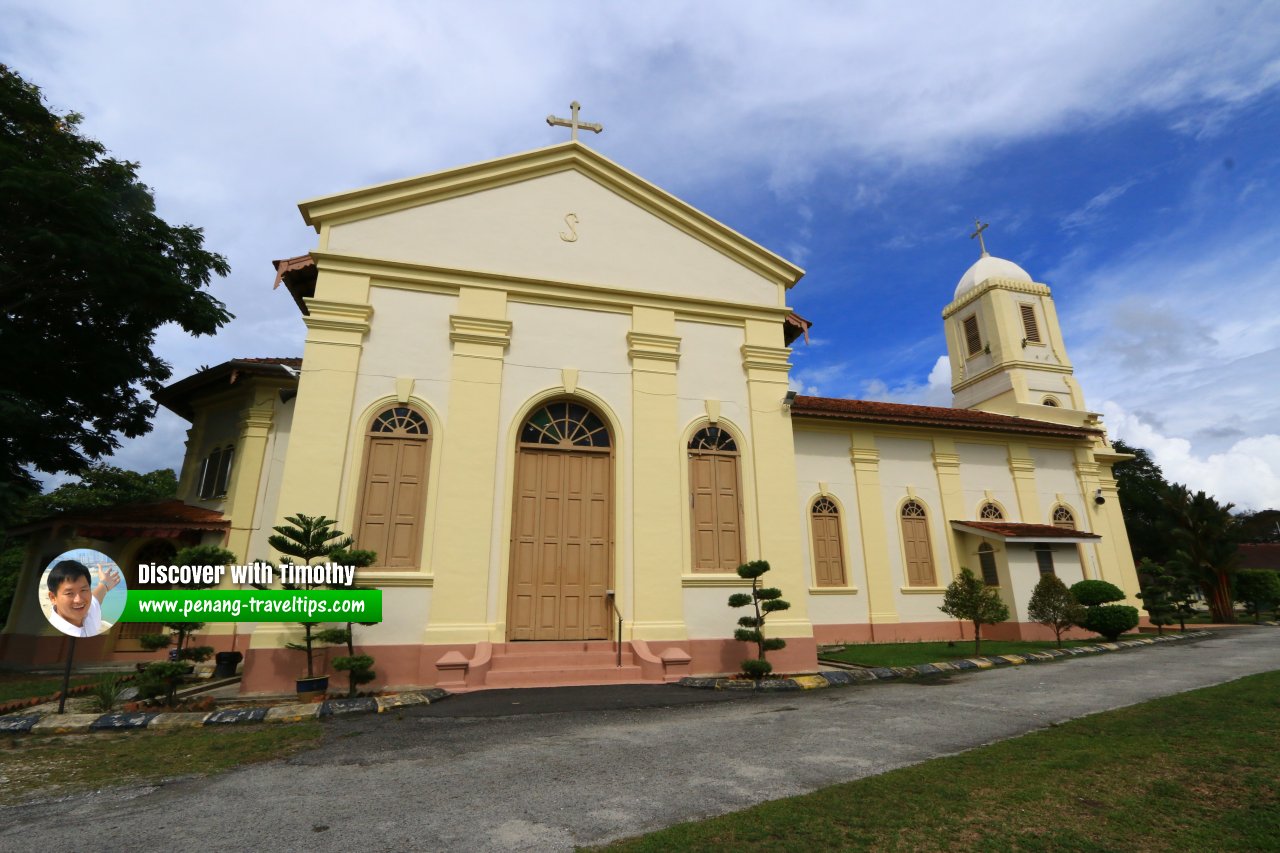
934 391
238 111
1247 473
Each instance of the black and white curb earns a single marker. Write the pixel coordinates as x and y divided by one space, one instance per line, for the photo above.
61 724
845 677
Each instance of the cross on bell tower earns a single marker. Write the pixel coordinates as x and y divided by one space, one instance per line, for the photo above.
573 123
981 226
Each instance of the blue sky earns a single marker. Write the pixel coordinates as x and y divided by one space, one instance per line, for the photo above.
1124 154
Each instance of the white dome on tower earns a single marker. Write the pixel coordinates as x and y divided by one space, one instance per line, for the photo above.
989 266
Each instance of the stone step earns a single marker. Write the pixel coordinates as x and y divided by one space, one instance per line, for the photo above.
563 676
560 660
541 647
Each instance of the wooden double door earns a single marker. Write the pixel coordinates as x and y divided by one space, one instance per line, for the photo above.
561 545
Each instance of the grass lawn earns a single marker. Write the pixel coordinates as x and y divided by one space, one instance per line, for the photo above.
1196 771
23 685
909 654
44 767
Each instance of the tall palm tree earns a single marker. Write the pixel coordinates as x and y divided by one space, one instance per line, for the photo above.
1205 545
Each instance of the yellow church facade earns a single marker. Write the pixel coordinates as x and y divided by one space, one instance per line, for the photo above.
554 399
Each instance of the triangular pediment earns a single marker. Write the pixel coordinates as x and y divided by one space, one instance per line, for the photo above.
562 213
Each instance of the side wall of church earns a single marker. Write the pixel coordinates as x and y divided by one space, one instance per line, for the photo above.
871 472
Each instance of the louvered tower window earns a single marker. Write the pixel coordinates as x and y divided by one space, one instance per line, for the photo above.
972 338
1030 328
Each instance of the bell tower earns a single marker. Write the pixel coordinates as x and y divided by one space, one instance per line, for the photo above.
1005 345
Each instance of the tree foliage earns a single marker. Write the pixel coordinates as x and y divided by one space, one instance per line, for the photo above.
764 600
1205 546
88 273
1142 487
972 600
1160 591
1053 605
1258 590
306 538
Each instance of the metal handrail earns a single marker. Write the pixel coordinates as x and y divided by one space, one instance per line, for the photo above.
613 603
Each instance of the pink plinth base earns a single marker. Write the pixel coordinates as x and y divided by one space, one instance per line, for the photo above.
484 666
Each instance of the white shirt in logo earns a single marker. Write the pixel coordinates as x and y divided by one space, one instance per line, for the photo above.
92 622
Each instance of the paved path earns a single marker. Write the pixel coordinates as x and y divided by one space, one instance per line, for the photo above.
576 767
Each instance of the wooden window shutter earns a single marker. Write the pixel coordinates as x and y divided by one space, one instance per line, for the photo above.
828 556
917 553
394 488
1029 325
715 501
972 338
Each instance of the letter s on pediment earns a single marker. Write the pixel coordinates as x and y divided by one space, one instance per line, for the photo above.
570 219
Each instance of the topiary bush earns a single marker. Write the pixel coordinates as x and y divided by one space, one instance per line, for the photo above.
1094 593
1110 620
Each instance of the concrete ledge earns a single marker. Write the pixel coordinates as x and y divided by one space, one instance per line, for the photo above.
845 677
177 721
292 713
64 724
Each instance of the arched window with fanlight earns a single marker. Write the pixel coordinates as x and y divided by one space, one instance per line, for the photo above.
916 551
715 500
991 512
828 553
393 490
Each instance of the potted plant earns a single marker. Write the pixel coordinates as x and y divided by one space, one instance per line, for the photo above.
307 538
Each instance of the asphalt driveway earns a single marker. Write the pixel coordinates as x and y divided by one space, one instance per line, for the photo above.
551 769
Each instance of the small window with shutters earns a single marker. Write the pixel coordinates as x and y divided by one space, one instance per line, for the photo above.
715 501
917 555
393 491
1063 518
1044 559
1030 329
972 338
828 555
990 512
987 560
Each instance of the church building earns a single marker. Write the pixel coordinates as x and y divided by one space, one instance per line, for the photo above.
554 399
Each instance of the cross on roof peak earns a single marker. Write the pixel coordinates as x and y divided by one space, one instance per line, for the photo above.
981 226
573 123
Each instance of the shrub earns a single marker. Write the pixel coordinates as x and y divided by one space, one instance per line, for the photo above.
1094 593
105 694
161 678
764 600
1053 605
970 599
1110 620
359 669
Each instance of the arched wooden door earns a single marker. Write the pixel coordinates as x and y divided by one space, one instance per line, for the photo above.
562 526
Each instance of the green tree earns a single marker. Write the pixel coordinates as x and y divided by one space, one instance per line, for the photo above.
1257 590
764 600
1159 594
1053 605
88 273
1142 488
359 668
1204 536
102 485
99 486
306 538
972 600
1260 526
